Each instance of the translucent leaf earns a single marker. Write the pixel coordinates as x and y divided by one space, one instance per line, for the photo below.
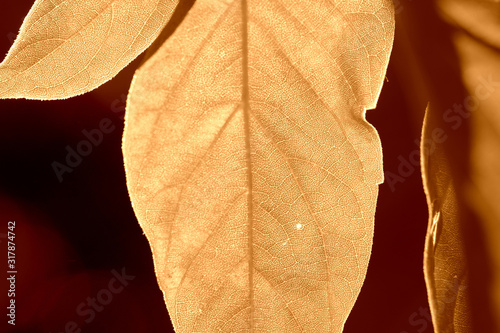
251 167
68 47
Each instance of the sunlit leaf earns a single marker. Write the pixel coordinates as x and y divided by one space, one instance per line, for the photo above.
68 47
251 167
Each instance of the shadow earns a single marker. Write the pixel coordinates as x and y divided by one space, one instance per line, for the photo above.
178 16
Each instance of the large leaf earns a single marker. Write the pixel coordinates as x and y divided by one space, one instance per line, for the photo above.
68 47
250 164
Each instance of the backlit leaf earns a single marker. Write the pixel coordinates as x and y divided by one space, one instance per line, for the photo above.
68 47
250 164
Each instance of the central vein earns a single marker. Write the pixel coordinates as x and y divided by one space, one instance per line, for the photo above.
246 117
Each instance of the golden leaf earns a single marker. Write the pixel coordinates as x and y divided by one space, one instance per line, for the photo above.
250 164
66 48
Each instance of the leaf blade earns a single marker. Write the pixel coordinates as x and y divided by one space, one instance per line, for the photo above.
446 271
220 149
66 48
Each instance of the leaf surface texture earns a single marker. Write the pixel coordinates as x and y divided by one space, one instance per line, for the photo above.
251 167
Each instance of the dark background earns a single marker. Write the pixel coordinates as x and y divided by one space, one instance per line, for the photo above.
71 234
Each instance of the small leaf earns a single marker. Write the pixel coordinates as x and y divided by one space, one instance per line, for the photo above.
68 47
250 164
445 263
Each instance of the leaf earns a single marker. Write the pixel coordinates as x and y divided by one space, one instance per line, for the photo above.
250 164
68 47
461 174
445 267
